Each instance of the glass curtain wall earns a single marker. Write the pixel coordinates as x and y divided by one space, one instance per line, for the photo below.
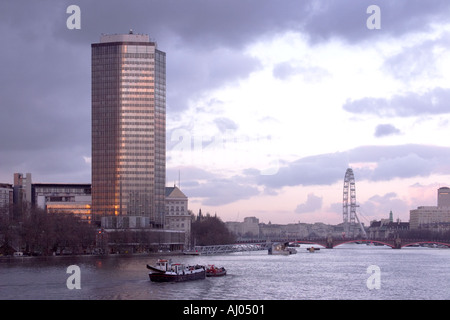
128 130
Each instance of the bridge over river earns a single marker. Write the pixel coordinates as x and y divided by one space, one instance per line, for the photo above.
329 243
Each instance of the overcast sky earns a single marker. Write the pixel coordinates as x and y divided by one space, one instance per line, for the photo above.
268 102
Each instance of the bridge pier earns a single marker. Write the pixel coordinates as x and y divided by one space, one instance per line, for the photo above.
397 243
329 244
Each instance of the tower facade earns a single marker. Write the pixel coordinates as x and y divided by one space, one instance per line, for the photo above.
128 128
444 197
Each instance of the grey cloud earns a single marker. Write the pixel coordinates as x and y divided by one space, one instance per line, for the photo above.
381 199
412 104
405 166
45 96
314 170
58 165
233 23
347 19
45 92
380 205
188 174
375 153
211 187
218 191
383 130
417 61
225 124
313 203
192 73
402 161
286 70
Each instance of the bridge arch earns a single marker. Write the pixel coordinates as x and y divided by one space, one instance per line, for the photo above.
410 243
338 243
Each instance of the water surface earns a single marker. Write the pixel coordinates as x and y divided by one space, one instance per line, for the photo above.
339 273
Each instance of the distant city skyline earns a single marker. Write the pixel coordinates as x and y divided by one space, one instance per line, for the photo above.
268 104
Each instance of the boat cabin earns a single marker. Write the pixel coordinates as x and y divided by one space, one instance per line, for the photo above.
163 264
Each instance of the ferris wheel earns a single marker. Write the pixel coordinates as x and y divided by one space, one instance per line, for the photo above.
349 205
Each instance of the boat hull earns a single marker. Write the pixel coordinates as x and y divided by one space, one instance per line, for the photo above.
169 277
216 274
191 253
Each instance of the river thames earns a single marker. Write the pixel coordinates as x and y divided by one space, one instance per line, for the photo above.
350 272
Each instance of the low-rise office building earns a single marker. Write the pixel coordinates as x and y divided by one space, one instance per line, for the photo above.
72 198
437 217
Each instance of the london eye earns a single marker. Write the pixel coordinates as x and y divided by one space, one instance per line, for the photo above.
349 205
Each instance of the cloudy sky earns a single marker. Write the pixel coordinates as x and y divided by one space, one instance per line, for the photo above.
268 102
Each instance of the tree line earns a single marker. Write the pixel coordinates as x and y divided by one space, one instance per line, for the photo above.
210 230
36 232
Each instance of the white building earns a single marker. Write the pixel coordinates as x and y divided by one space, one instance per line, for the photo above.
177 216
429 216
433 216
249 228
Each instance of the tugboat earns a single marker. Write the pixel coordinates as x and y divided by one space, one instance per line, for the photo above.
213 271
165 271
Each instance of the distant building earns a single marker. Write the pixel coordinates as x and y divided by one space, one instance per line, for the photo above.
252 228
177 216
298 230
72 198
22 189
386 228
249 228
444 197
6 197
433 217
427 217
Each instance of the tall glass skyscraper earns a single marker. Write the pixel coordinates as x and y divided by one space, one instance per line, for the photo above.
128 128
